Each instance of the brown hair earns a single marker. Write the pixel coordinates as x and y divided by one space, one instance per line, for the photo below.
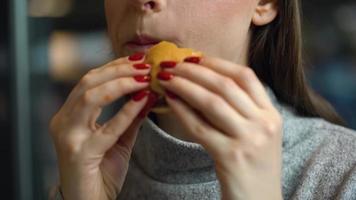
276 57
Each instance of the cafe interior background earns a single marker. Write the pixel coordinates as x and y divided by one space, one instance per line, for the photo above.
47 45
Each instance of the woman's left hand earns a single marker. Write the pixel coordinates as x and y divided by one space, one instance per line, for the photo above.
226 109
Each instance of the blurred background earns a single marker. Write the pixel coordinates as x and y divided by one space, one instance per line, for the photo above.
46 45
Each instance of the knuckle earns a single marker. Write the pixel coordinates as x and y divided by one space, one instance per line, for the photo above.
247 73
234 153
213 103
56 124
106 87
271 127
87 98
92 71
116 68
86 80
72 143
186 68
198 129
119 61
270 123
124 84
226 84
72 149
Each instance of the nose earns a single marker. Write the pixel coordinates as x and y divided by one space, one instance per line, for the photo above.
149 6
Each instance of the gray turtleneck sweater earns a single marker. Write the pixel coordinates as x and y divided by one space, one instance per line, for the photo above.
319 162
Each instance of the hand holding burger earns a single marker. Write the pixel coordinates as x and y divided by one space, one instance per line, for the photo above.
167 52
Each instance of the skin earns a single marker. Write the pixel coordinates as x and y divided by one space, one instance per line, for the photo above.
233 16
237 123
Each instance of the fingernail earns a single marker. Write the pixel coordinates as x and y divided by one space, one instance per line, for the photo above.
164 76
136 56
142 78
168 64
142 66
140 95
152 99
171 94
193 59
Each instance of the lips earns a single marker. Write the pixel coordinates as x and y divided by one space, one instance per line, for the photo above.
142 43
144 40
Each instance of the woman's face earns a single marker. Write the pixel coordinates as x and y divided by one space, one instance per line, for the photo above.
216 27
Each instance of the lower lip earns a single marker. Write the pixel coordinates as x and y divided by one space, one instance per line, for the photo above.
138 47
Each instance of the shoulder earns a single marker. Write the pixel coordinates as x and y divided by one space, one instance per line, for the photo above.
317 137
336 145
319 159
332 129
315 132
334 137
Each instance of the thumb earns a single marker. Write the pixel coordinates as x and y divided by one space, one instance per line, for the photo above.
128 138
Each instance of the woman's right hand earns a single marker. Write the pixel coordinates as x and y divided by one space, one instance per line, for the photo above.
93 159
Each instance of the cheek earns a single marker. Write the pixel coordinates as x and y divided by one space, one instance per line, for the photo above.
222 22
118 18
212 17
228 11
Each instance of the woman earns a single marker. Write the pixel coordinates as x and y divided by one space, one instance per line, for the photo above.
239 132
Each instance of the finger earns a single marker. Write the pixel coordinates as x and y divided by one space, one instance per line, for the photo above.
200 130
116 120
217 111
219 84
111 132
244 77
103 95
121 67
127 140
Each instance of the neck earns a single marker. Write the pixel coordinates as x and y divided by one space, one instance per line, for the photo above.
171 125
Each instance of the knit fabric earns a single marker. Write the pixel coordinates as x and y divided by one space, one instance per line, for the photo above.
319 162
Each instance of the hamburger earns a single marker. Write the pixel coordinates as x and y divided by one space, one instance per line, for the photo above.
164 51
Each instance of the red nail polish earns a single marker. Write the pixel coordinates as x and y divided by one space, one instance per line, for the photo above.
193 59
140 95
142 78
137 56
142 66
168 64
171 95
152 99
164 76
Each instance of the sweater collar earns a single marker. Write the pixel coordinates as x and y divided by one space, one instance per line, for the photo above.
171 160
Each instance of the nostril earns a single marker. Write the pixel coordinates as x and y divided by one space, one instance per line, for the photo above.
150 5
